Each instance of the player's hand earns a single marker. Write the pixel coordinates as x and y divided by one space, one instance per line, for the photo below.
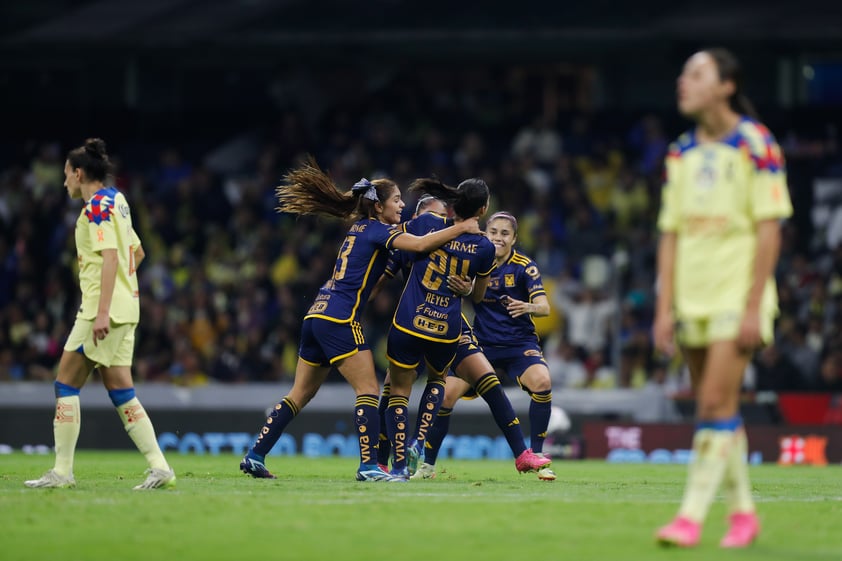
102 324
471 225
460 284
749 339
663 332
516 308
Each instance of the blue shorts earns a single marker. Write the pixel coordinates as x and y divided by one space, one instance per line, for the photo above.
516 359
325 342
406 351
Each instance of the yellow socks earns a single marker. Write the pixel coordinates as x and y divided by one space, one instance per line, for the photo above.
66 425
711 447
737 484
140 430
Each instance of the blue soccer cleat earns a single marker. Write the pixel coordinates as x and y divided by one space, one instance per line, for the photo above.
372 472
255 468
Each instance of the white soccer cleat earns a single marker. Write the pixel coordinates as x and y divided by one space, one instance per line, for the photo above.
424 471
157 479
52 480
546 474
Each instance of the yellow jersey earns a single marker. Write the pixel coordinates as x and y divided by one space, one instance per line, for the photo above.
714 194
106 223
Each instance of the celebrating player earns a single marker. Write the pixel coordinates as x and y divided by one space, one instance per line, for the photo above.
428 316
331 334
109 252
504 335
724 195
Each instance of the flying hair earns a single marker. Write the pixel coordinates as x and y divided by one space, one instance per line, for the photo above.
307 189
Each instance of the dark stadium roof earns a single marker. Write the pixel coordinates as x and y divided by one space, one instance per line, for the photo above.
156 24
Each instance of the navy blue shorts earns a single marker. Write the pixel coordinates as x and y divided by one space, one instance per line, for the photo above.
324 342
468 345
406 351
516 359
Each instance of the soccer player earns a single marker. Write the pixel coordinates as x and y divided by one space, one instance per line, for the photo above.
473 371
109 252
402 261
331 335
724 195
505 337
427 320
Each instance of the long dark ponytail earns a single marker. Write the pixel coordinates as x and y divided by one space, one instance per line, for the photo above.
466 199
730 69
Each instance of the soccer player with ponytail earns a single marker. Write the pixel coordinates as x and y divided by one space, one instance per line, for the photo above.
724 197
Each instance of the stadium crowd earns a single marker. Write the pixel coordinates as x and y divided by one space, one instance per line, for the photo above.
227 279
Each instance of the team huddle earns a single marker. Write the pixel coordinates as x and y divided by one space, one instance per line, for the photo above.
442 260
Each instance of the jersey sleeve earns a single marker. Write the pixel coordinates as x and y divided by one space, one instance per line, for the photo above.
532 280
769 194
425 224
486 263
382 235
101 222
668 215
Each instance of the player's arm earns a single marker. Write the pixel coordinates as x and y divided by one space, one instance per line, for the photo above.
139 255
663 328
538 307
433 240
765 258
108 279
480 285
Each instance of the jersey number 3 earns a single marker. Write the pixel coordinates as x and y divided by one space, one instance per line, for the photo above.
441 264
342 260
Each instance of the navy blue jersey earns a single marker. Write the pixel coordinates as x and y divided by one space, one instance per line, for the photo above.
401 260
518 278
428 308
361 260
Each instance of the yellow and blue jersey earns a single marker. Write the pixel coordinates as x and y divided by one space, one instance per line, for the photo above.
517 278
713 197
360 262
428 308
106 223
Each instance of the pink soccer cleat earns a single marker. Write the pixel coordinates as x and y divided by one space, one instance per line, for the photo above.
530 461
681 532
743 530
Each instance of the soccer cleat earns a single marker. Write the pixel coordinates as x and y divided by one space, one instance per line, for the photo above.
402 473
255 468
384 467
372 472
546 474
530 461
415 456
681 532
424 471
51 480
742 531
157 479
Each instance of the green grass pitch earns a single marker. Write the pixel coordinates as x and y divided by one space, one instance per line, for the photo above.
474 510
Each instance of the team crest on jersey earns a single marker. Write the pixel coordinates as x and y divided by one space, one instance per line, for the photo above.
510 280
99 209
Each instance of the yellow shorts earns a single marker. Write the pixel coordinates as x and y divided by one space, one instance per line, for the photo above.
117 349
700 332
